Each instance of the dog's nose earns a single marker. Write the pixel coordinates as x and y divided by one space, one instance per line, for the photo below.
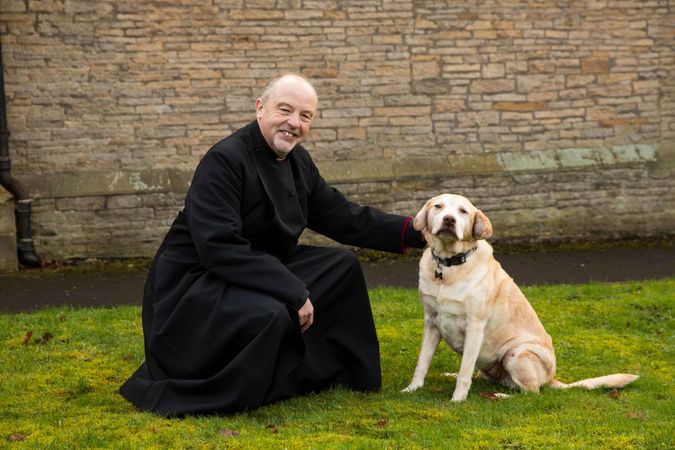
448 220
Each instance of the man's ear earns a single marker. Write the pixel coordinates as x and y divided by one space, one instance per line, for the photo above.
258 108
420 222
482 228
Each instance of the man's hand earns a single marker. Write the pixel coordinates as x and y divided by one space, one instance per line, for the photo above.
306 315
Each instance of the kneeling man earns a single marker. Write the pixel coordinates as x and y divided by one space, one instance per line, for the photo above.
236 314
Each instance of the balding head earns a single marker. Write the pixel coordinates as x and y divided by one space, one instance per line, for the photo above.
290 79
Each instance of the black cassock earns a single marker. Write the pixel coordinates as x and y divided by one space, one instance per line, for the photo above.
220 303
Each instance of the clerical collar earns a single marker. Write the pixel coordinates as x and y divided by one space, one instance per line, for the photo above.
454 260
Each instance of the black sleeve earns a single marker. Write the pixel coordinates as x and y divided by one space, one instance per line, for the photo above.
212 208
332 215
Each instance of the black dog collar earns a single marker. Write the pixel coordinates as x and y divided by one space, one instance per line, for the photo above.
455 260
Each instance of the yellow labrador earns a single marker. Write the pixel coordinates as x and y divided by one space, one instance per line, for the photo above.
473 304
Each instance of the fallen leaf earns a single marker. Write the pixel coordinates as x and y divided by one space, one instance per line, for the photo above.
127 357
488 395
228 433
16 438
494 395
382 423
272 427
28 336
614 393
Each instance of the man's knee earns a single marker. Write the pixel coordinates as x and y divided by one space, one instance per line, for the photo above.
278 316
346 257
261 313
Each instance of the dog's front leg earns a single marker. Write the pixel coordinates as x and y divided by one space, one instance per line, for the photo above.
430 339
473 340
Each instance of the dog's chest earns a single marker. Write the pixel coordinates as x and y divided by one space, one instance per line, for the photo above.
449 314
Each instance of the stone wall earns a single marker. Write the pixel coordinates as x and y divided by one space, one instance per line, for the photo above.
555 118
8 256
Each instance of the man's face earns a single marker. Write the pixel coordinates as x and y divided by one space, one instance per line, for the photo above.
286 116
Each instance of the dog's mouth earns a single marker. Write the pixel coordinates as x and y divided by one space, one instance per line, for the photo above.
446 231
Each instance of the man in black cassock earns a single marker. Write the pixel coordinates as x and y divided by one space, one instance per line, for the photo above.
236 314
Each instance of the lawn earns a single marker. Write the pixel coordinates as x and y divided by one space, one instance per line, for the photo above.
58 385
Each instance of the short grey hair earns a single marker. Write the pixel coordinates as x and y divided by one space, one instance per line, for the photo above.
267 92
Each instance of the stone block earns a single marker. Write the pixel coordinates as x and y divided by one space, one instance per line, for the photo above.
6 212
425 69
519 106
534 83
45 6
340 171
493 71
8 256
665 154
123 201
528 161
421 167
474 164
577 157
80 203
446 104
595 65
480 118
492 86
633 121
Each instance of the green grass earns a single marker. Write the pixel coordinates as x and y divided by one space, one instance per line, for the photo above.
59 390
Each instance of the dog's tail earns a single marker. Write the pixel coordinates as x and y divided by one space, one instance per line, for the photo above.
617 380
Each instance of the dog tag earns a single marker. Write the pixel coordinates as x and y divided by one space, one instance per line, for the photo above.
438 273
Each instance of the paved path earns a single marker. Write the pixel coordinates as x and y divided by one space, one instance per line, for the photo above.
39 289
608 265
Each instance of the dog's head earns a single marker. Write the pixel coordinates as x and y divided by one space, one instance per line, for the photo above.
452 218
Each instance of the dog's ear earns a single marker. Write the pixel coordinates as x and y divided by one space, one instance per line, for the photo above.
482 228
420 222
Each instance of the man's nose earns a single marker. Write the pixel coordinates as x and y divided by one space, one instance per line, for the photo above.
293 120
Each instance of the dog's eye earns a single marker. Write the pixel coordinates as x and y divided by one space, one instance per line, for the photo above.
463 211
437 206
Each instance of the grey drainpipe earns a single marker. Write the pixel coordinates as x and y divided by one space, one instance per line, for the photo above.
26 250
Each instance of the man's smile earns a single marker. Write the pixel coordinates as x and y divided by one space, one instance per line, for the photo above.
289 134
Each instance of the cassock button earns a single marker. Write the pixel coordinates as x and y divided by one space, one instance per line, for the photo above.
291 194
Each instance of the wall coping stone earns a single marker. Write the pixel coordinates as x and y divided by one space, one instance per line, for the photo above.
82 184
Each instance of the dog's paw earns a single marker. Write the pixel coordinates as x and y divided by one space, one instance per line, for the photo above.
459 396
412 387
